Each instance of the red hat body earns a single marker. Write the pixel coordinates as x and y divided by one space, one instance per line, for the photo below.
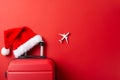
23 36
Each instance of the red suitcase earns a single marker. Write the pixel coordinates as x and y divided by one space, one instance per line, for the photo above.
31 69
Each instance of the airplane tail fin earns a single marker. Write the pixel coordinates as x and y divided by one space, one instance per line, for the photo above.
60 41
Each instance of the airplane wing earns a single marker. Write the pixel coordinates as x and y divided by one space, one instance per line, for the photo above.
66 38
61 34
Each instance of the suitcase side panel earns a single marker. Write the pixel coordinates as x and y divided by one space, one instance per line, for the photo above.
49 75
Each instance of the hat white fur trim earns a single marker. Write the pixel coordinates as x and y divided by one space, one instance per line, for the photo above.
5 51
27 46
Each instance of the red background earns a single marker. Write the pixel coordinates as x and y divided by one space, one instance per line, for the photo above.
93 52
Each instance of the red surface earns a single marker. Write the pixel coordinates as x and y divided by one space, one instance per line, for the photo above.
31 69
93 52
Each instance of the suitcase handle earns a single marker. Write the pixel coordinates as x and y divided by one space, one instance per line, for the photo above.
41 48
41 52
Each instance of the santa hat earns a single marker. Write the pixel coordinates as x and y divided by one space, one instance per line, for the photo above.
20 40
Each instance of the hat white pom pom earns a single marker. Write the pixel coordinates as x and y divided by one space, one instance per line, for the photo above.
5 51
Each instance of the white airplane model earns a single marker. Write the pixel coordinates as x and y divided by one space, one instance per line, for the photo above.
64 36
